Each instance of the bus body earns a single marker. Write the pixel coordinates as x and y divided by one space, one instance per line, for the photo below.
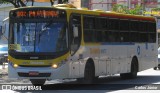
64 42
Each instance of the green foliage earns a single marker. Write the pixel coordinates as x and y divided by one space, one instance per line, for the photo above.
156 9
3 1
124 9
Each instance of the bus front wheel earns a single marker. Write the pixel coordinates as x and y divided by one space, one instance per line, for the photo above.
89 74
38 82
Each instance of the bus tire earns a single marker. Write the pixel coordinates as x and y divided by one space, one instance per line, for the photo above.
38 82
89 74
155 68
134 70
124 75
158 66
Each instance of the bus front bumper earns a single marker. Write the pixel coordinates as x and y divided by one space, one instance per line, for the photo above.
36 72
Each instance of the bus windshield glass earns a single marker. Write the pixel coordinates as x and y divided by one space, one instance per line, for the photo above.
37 36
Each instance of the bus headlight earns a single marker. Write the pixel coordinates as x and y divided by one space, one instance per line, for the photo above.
59 64
55 66
8 59
15 65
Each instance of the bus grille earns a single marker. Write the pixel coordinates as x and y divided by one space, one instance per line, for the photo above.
21 74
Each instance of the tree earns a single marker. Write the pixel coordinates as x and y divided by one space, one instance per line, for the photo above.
22 3
16 3
156 9
124 9
155 12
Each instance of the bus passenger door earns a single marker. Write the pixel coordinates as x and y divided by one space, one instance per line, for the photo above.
75 33
75 40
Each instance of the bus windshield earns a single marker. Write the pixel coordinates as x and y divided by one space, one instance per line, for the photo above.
45 36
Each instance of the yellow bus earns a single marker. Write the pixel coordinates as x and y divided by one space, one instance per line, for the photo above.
62 42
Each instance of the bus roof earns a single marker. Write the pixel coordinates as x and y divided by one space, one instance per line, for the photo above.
103 13
97 12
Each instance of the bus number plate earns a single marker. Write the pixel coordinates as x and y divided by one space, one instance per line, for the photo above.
33 73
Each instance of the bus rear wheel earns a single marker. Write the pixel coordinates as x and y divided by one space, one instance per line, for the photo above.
38 82
134 70
155 68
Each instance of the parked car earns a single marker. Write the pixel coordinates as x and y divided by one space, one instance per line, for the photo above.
155 68
3 53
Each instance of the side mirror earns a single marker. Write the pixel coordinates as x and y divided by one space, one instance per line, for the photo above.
75 31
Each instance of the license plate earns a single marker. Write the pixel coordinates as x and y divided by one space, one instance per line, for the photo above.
33 73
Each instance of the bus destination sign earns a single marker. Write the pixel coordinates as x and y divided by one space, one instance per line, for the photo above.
37 13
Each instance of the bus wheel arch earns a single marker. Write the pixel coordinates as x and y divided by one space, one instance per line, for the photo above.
89 72
90 61
134 68
137 62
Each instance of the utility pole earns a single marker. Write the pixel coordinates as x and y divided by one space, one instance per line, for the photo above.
129 4
143 6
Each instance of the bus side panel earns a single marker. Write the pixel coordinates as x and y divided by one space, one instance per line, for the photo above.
74 69
148 56
105 55
132 51
77 64
145 53
83 54
143 57
118 61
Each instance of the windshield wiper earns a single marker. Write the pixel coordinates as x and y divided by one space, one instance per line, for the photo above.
44 29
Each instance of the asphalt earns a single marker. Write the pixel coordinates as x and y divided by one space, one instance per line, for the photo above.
3 70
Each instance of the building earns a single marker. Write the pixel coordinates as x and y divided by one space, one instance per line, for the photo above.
90 4
4 12
108 4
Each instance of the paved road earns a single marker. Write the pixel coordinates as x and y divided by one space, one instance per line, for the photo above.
112 84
